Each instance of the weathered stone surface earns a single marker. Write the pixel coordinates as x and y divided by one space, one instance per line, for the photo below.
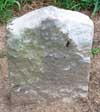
49 55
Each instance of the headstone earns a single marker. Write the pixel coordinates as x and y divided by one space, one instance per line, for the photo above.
49 55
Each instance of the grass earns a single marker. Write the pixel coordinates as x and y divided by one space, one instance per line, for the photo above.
95 51
6 8
25 1
93 5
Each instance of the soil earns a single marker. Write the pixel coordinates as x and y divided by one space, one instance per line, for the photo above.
89 104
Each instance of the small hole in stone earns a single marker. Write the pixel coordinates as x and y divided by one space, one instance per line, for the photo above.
68 43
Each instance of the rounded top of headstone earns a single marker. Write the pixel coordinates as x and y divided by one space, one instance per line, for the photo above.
34 18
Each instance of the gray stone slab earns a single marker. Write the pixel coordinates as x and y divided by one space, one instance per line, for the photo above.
49 55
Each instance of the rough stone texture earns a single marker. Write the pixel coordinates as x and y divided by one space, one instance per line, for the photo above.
49 56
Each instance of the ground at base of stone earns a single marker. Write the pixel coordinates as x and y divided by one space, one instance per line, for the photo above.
80 106
57 107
